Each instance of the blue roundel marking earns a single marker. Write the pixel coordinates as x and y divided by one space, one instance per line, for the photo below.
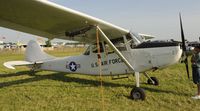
72 66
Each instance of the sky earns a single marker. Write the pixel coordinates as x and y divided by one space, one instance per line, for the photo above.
154 17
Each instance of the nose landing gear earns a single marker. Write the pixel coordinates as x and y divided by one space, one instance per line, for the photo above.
152 80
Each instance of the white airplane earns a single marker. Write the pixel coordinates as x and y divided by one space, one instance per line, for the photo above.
118 50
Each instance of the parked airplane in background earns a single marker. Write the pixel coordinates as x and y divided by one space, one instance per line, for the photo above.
114 49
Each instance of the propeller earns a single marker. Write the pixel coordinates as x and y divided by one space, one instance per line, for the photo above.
185 60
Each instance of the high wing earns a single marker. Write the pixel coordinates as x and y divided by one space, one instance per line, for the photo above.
47 19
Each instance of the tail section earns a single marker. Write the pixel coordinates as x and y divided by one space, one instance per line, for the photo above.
34 53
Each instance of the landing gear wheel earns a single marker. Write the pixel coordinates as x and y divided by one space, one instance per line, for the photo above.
32 72
155 81
138 94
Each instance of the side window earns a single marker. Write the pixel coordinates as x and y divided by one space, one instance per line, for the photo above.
95 50
87 52
131 42
108 49
121 47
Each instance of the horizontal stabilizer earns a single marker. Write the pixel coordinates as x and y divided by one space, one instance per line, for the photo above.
11 64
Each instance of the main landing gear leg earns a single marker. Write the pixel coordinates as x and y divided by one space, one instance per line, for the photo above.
152 80
33 69
137 93
32 72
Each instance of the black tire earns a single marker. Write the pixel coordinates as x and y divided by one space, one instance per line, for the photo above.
138 94
155 80
32 73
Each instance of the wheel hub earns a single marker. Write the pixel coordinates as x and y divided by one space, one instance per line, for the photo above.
136 95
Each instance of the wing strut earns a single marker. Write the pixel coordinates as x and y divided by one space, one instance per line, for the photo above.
115 49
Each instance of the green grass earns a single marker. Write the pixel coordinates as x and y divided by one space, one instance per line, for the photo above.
56 91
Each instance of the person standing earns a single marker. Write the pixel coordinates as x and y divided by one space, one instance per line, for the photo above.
195 60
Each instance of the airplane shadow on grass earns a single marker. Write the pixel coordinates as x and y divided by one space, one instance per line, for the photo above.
62 77
15 74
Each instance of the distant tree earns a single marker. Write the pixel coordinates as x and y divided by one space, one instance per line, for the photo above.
48 43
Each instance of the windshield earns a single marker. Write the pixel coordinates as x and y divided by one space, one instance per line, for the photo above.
137 38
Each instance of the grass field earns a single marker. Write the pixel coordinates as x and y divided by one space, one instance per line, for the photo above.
56 91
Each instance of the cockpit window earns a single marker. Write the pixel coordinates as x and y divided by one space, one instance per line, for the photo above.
121 47
95 50
108 49
87 51
135 39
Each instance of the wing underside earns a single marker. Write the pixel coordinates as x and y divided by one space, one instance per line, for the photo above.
47 19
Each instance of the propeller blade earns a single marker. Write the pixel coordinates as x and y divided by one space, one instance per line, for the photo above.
182 34
184 46
187 68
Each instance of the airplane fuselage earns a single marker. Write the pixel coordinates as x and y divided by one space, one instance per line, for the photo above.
141 58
